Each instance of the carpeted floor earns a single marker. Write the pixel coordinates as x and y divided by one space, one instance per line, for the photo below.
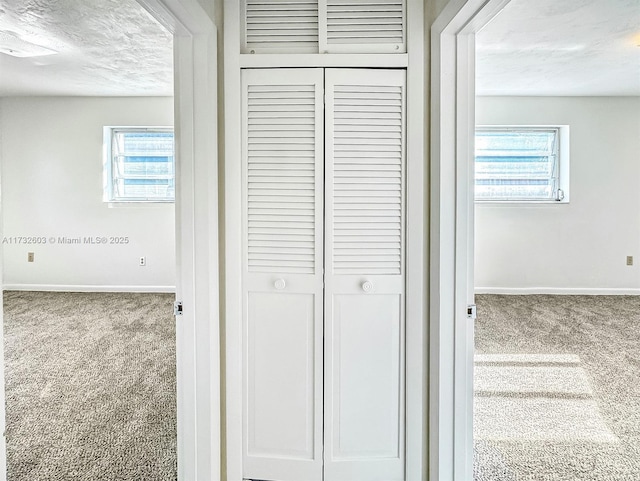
557 388
90 386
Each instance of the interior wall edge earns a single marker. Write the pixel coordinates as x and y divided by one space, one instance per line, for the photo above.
88 288
562 291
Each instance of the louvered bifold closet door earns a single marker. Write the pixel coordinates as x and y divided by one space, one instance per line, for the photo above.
364 275
282 193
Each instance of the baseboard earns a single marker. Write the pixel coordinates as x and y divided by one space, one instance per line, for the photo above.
86 288
559 291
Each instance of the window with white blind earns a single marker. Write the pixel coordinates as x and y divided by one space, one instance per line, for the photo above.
521 164
139 164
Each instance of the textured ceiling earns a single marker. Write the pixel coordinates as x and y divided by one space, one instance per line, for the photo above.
113 47
567 47
105 48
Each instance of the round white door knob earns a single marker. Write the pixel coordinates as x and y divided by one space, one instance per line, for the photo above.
367 286
280 284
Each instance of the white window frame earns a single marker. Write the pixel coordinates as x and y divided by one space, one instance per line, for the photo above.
109 192
561 166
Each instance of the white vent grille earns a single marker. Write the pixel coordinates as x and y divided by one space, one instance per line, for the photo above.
281 25
281 136
365 22
368 180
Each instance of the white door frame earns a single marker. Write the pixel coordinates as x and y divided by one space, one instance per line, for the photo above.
197 253
451 291
3 438
197 331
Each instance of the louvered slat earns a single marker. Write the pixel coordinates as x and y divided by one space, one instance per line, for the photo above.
281 25
281 183
365 22
367 180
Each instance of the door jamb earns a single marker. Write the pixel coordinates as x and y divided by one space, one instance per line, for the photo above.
451 271
197 253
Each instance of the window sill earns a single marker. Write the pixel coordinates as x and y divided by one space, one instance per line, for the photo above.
139 204
523 202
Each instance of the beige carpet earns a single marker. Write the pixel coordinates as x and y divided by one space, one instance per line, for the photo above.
557 388
90 387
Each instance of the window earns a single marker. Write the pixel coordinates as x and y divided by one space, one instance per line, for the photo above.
139 164
521 164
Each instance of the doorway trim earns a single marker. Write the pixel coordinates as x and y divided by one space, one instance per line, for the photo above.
197 252
451 230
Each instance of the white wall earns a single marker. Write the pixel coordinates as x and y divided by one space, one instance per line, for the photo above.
580 247
51 157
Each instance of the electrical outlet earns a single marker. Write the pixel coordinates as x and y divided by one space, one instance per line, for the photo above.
629 260
30 257
143 261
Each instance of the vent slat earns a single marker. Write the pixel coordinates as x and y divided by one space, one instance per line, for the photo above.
279 240
283 235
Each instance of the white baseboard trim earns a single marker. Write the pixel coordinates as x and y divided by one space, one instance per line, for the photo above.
86 288
559 291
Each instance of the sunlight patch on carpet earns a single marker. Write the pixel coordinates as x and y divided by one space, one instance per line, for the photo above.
543 381
536 397
527 358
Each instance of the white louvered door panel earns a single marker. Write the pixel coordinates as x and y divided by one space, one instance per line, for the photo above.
363 26
279 26
323 26
364 275
282 168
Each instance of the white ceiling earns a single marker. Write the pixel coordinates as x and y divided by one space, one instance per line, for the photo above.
561 47
105 48
113 47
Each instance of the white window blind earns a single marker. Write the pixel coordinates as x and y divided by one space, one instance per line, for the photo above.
139 165
517 164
